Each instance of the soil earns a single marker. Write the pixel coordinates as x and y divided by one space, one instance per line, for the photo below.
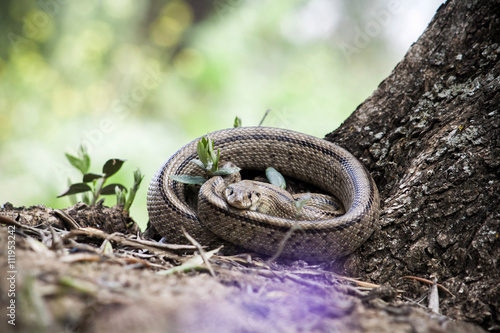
90 280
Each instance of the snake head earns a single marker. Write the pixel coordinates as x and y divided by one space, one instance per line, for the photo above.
242 196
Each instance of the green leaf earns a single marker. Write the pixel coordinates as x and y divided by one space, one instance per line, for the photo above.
210 165
237 122
120 196
112 166
88 177
216 162
226 171
202 152
187 179
82 162
211 144
84 156
198 163
138 176
110 189
76 188
275 177
204 140
76 162
213 155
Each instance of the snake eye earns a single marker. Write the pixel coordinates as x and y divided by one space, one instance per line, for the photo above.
231 192
249 195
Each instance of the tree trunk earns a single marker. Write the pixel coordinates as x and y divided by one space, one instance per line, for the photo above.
430 137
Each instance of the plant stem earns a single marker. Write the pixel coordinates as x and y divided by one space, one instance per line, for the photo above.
97 190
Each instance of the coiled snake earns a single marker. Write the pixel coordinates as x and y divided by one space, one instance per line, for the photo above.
295 155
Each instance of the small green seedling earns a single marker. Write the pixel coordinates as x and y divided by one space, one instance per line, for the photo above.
237 122
93 185
208 160
121 193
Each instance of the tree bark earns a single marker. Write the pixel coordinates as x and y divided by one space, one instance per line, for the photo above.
430 137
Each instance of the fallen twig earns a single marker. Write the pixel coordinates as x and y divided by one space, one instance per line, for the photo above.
151 246
200 250
285 239
419 279
71 222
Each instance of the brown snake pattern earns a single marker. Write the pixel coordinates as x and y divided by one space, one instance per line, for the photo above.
294 154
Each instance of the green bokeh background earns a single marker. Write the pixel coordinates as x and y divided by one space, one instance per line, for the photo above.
139 79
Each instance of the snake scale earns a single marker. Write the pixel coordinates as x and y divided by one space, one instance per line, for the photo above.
296 155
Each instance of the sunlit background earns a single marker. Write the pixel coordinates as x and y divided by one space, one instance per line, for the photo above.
139 79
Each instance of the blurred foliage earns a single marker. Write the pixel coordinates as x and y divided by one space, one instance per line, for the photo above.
139 79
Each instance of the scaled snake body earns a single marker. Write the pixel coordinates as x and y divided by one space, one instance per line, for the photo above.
295 155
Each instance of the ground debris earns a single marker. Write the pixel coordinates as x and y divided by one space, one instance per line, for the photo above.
89 280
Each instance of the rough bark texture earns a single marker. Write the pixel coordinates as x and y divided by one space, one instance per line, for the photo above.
430 137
